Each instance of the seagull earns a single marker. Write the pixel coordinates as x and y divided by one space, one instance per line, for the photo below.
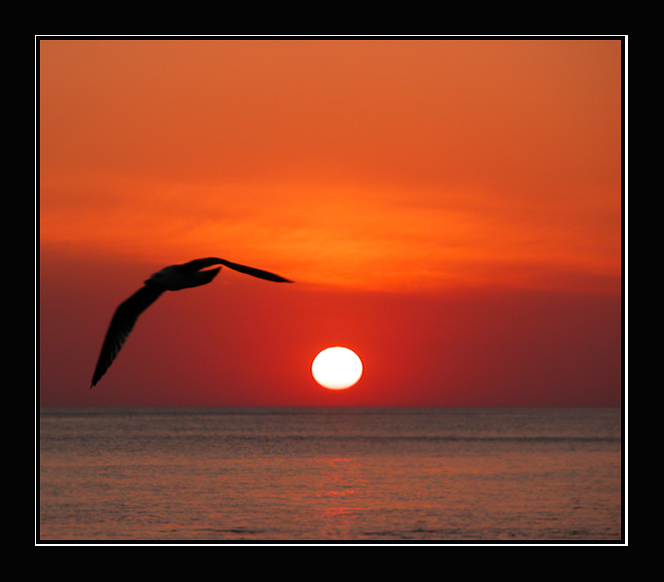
171 278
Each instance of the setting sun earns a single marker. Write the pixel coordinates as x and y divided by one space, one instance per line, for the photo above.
337 368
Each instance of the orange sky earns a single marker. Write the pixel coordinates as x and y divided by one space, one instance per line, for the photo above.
406 185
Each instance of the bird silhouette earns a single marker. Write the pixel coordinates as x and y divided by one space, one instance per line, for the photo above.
171 278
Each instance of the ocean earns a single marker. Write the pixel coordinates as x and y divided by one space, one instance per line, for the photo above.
309 475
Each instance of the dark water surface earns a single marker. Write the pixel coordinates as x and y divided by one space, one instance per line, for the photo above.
308 474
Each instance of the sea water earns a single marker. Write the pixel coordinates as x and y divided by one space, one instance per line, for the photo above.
330 474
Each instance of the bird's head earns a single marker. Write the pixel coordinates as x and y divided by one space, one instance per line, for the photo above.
178 277
152 280
159 278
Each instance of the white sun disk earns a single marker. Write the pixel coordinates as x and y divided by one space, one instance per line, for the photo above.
337 368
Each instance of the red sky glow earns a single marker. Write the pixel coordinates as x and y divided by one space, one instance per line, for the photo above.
451 210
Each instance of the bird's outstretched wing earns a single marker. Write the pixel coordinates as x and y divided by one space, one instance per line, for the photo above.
198 264
121 325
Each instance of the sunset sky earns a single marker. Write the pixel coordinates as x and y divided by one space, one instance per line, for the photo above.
449 209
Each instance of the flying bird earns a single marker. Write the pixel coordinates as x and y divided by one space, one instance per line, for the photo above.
171 278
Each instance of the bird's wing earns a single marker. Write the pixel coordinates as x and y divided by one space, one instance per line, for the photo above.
198 264
121 325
